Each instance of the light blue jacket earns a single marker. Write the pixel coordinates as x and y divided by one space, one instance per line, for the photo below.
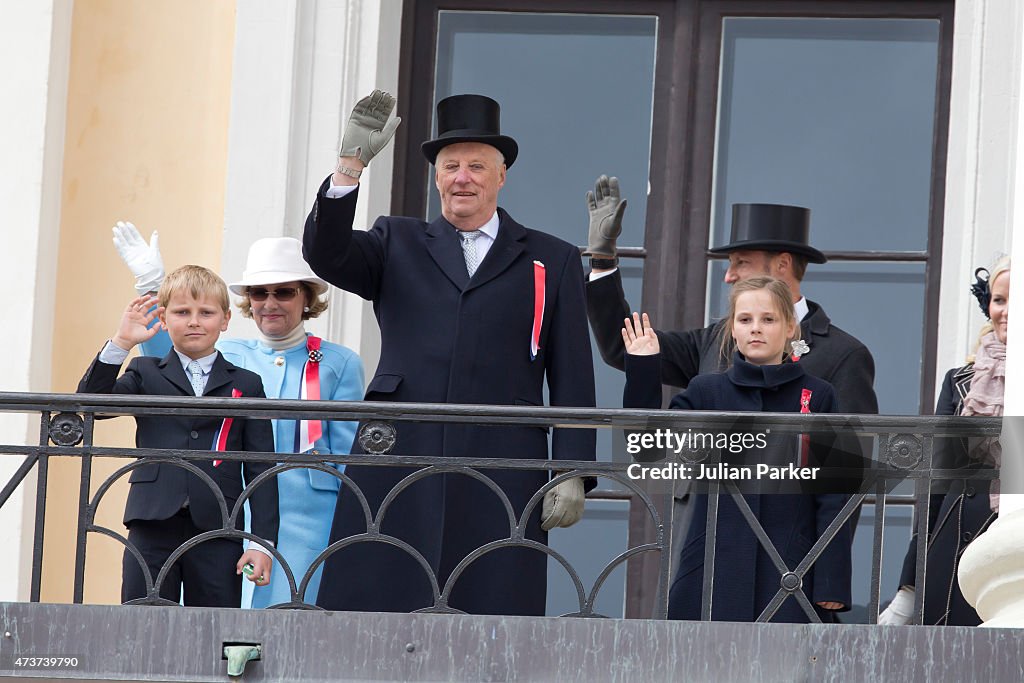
306 496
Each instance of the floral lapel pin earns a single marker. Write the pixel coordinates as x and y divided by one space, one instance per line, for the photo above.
800 347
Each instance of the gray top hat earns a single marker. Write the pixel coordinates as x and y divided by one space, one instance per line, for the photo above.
470 118
771 227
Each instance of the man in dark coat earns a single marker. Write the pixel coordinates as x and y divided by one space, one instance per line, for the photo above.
472 308
767 239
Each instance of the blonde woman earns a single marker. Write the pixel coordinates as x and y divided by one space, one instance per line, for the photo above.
968 506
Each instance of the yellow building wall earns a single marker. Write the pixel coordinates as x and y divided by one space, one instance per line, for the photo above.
147 117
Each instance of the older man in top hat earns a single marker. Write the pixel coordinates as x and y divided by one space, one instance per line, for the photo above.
473 308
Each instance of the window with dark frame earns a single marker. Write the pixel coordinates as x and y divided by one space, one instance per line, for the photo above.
684 207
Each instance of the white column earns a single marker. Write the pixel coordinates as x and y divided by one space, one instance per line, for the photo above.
991 570
980 163
35 44
299 68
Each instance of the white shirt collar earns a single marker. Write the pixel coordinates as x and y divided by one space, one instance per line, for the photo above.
206 362
490 228
801 309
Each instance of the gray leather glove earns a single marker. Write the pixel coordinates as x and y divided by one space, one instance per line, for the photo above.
563 505
900 611
142 259
606 209
369 129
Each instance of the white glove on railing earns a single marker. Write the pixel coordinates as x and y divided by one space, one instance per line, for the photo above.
563 505
142 259
900 611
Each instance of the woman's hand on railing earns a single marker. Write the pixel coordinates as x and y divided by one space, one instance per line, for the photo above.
900 610
639 337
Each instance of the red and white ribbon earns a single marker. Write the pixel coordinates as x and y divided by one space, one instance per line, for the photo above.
220 439
311 430
538 307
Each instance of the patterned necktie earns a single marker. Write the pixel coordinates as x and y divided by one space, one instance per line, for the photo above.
469 250
195 376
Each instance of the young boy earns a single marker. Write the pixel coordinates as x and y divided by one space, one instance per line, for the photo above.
167 505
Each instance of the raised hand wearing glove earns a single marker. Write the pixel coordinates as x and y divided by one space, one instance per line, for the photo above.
606 208
369 129
142 259
563 504
900 611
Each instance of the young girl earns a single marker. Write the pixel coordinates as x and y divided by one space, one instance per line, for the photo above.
761 325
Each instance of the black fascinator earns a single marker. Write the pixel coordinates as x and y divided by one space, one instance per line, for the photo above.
981 290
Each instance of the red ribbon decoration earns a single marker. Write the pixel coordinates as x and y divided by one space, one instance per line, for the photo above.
311 430
225 428
805 439
538 308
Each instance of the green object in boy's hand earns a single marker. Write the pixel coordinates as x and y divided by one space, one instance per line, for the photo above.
248 568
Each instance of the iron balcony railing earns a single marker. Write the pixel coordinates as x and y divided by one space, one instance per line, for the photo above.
901 448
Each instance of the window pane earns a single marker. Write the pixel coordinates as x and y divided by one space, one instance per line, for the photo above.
576 92
832 114
881 304
576 113
576 95
592 543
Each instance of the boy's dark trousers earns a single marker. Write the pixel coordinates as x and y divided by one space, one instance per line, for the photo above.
207 571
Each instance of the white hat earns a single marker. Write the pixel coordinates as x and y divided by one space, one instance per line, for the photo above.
273 260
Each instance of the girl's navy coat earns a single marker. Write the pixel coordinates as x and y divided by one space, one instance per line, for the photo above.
745 578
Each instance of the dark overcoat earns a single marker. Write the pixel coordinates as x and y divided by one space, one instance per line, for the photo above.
745 579
957 514
449 338
835 356
158 491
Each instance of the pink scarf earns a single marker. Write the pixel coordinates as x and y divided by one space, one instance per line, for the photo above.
986 398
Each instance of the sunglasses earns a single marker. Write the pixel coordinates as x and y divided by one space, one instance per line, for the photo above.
281 293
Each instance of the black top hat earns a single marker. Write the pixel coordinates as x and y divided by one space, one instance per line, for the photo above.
771 227
470 118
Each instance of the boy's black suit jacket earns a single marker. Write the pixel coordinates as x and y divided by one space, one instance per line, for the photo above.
158 491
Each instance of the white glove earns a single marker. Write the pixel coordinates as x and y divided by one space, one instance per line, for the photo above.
142 259
900 611
563 505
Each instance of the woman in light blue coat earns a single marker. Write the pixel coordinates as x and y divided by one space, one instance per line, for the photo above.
280 292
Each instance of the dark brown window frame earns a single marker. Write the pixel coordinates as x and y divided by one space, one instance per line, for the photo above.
698 260
685 105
